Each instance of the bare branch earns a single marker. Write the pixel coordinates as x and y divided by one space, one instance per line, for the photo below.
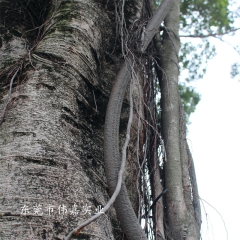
217 213
210 34
154 23
237 50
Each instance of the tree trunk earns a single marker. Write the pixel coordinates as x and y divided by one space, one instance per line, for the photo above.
181 223
52 135
59 60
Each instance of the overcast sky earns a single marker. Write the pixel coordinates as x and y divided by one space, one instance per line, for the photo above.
214 138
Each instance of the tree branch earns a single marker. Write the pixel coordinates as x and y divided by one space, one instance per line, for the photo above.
210 34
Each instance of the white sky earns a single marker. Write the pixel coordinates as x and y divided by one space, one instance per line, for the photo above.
214 138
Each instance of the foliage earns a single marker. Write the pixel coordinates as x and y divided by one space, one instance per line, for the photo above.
202 17
200 20
194 58
190 98
235 70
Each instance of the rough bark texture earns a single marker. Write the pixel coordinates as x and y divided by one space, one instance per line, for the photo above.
51 144
58 62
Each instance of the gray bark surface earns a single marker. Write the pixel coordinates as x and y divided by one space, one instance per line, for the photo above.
58 62
196 198
189 180
51 139
181 223
176 208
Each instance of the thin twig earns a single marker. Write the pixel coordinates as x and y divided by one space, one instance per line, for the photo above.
237 50
210 34
218 214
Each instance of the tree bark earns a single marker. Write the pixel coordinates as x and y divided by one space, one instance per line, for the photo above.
51 146
176 209
180 220
190 188
58 62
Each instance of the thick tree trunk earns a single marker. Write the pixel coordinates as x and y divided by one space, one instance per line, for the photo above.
51 144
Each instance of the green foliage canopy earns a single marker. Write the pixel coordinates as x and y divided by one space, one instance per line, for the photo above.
200 19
